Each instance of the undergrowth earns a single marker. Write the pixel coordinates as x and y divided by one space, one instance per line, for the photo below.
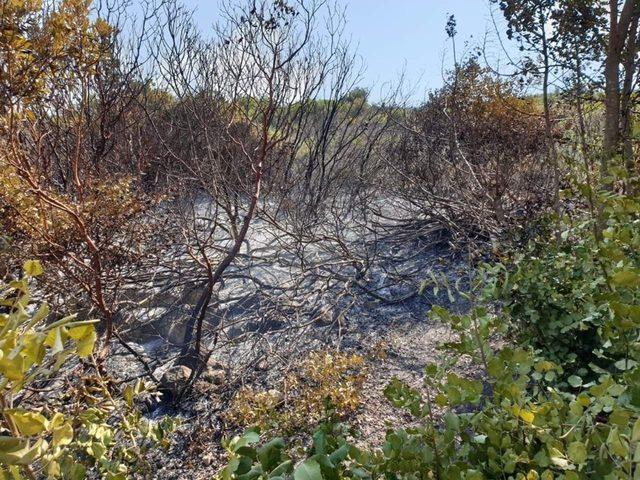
301 398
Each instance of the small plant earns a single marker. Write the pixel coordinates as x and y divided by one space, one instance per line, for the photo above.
516 423
329 457
323 379
89 427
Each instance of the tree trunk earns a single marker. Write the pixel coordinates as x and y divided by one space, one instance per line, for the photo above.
618 32
552 153
630 66
191 354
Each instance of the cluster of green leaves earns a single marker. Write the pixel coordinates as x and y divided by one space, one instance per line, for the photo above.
524 416
329 456
87 427
577 299
44 47
520 420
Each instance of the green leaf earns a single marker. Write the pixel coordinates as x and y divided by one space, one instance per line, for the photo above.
227 472
74 471
320 442
308 470
270 455
635 435
33 268
616 444
33 347
575 381
62 435
28 423
54 340
251 437
620 416
248 438
339 455
19 451
626 278
284 467
96 450
625 364
577 453
452 421
474 475
85 337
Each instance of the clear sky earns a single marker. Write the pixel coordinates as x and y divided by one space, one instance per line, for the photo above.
392 35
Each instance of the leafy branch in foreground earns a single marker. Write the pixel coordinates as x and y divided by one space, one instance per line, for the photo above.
85 427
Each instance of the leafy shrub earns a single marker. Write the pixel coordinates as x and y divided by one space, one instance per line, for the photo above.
329 456
526 428
528 425
577 300
552 298
322 379
87 427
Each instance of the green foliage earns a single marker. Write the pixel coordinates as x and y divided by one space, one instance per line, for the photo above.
515 423
330 456
44 47
528 424
577 299
88 427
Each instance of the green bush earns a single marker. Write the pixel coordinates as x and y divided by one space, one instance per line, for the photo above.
576 300
521 425
90 428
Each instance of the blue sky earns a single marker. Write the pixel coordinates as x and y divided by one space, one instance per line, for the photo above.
392 35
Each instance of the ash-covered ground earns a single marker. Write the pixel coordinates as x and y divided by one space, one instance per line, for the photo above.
357 290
